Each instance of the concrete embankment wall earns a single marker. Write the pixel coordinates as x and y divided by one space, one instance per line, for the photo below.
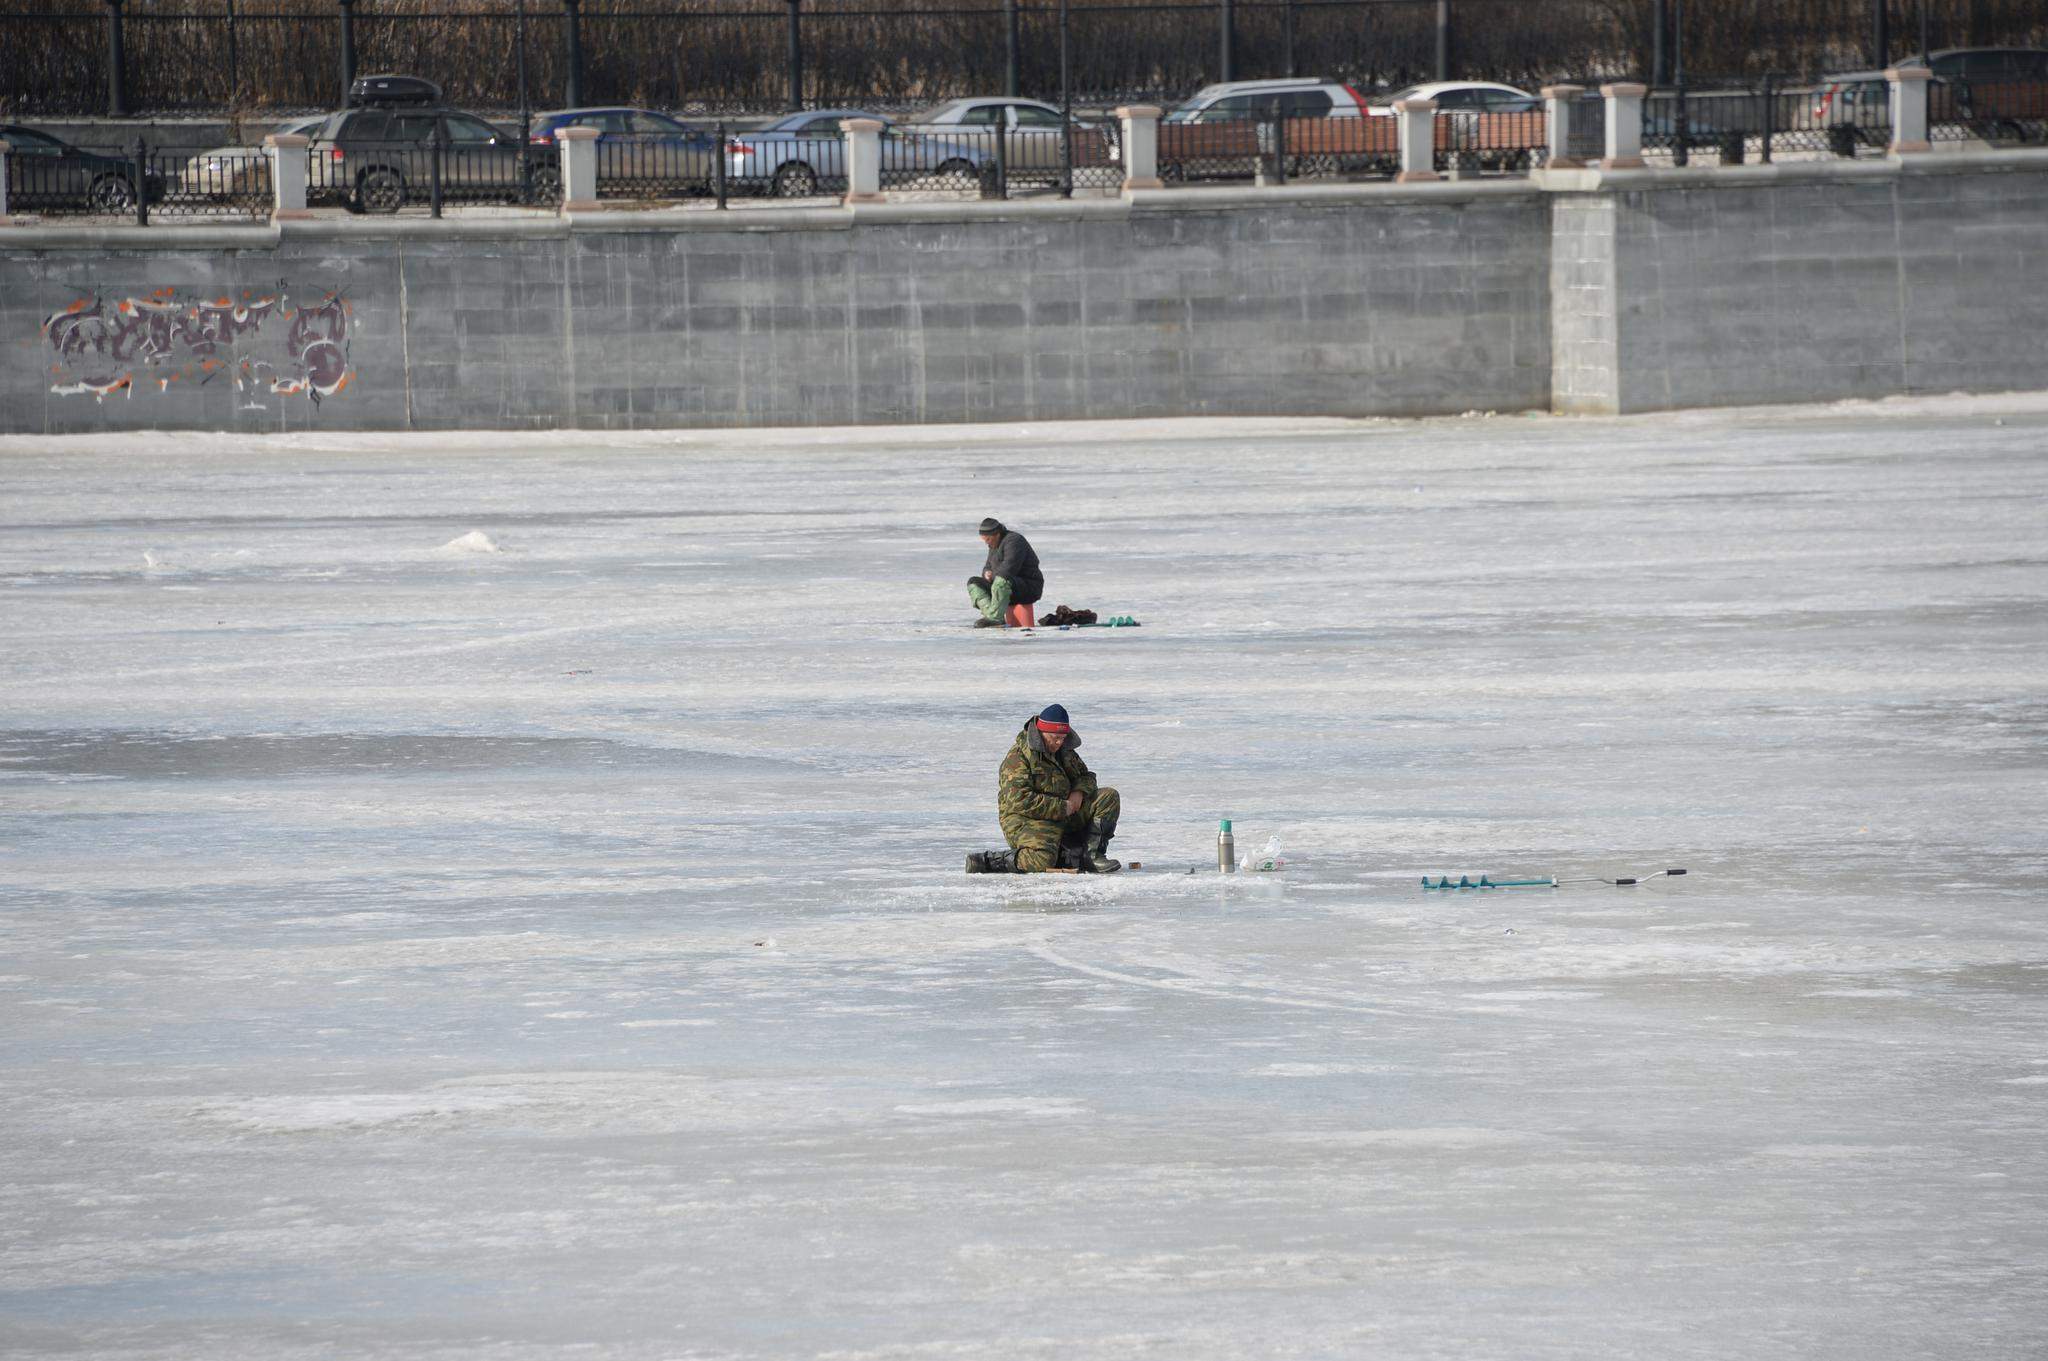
1801 283
1583 290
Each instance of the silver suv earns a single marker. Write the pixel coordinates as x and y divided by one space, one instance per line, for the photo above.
1241 100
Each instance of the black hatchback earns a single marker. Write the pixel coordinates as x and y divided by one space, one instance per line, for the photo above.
48 174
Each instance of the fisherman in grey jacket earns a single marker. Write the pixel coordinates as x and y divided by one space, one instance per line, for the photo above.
1010 576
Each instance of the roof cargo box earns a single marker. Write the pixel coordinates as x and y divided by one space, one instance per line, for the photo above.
374 90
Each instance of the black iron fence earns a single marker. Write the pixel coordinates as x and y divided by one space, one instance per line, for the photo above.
137 183
80 57
1727 125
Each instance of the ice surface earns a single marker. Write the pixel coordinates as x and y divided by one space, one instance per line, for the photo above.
415 951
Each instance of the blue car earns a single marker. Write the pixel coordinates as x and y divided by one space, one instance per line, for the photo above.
804 154
640 153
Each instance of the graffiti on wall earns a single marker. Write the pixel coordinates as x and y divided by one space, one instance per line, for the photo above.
105 346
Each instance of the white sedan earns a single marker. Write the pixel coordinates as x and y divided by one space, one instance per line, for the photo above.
1471 96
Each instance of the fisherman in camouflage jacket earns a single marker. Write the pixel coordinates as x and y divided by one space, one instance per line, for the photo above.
1054 814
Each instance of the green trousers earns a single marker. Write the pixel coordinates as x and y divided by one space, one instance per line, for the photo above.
993 600
1037 844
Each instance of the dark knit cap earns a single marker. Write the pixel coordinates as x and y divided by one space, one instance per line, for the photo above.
1053 718
991 526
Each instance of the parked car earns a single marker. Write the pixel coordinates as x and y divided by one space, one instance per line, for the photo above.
46 173
1263 100
232 170
2019 64
1030 131
636 148
1990 90
803 154
1226 131
1854 109
378 155
1477 96
1995 91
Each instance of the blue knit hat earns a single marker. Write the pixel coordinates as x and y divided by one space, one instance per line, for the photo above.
1053 718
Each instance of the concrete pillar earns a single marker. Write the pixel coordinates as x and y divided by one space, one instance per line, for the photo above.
863 159
1557 107
1418 139
287 153
1624 126
579 168
1909 109
1141 145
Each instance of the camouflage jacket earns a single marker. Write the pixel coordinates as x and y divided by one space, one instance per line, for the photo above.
1034 783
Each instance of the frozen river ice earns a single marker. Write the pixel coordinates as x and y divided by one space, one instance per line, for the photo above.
411 949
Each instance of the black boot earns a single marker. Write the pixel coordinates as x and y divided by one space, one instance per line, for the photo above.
992 862
1095 858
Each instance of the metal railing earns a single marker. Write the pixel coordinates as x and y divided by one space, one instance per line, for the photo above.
656 167
1587 141
779 165
140 183
1733 125
71 57
1470 142
1999 112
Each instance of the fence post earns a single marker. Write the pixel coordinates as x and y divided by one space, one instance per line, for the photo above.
578 147
572 39
348 49
1013 71
1443 39
434 145
1140 145
3 179
1417 118
1557 109
117 63
1660 66
718 166
234 64
1066 107
1909 109
1880 32
287 154
1227 22
1287 37
796 55
140 163
863 159
1624 125
1770 115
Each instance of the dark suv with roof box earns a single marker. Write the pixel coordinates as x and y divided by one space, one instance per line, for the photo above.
378 154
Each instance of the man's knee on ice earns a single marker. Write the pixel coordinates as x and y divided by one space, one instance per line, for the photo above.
1037 859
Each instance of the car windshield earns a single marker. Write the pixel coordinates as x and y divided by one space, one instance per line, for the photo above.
1406 92
935 113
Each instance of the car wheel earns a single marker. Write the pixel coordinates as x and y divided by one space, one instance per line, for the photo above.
1842 141
112 194
958 171
381 190
796 180
545 186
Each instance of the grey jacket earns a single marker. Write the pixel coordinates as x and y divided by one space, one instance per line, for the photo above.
1013 560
